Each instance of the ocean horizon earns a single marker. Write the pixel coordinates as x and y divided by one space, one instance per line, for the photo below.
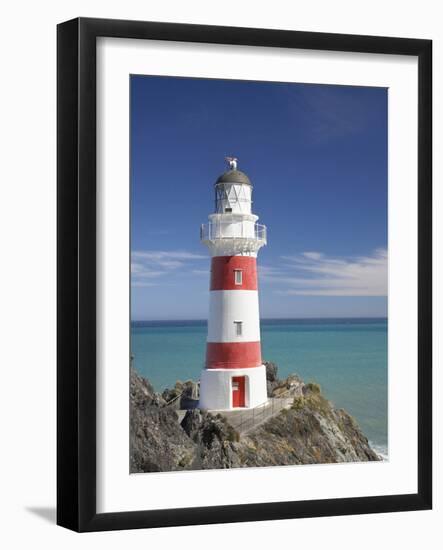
347 356
262 319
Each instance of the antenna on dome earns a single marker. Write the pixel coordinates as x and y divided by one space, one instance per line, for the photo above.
232 161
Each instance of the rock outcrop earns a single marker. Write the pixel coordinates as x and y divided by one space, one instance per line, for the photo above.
157 441
183 395
310 431
214 438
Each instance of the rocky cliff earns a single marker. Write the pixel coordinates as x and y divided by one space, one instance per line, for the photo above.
157 441
310 431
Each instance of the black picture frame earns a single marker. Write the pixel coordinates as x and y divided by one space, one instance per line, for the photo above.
76 265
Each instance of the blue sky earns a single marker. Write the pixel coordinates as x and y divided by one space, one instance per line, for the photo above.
317 157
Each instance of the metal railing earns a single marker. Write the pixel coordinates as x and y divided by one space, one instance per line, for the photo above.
173 400
232 230
245 420
249 419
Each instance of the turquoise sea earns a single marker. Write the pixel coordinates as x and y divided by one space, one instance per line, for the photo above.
347 357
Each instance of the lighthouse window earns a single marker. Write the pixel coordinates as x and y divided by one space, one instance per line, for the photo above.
228 209
238 328
238 276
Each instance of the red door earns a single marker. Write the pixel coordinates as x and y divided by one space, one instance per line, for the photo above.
238 391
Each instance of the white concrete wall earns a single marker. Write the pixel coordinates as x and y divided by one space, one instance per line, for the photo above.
216 387
227 306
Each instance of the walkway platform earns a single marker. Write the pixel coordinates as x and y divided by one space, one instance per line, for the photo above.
245 420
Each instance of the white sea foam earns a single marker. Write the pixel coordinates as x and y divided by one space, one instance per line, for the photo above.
381 450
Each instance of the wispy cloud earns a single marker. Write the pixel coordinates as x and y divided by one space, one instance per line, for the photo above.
148 265
315 274
329 112
142 284
309 273
166 254
269 272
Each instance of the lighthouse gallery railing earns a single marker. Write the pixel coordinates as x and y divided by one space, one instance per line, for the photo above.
232 230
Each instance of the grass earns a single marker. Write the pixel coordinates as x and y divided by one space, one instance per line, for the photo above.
312 399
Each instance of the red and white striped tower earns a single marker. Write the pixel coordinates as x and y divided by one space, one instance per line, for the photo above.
234 375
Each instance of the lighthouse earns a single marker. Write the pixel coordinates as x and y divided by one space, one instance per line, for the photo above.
234 376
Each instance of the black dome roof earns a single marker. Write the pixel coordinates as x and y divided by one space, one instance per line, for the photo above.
234 176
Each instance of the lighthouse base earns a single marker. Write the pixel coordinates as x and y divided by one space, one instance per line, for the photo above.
229 389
